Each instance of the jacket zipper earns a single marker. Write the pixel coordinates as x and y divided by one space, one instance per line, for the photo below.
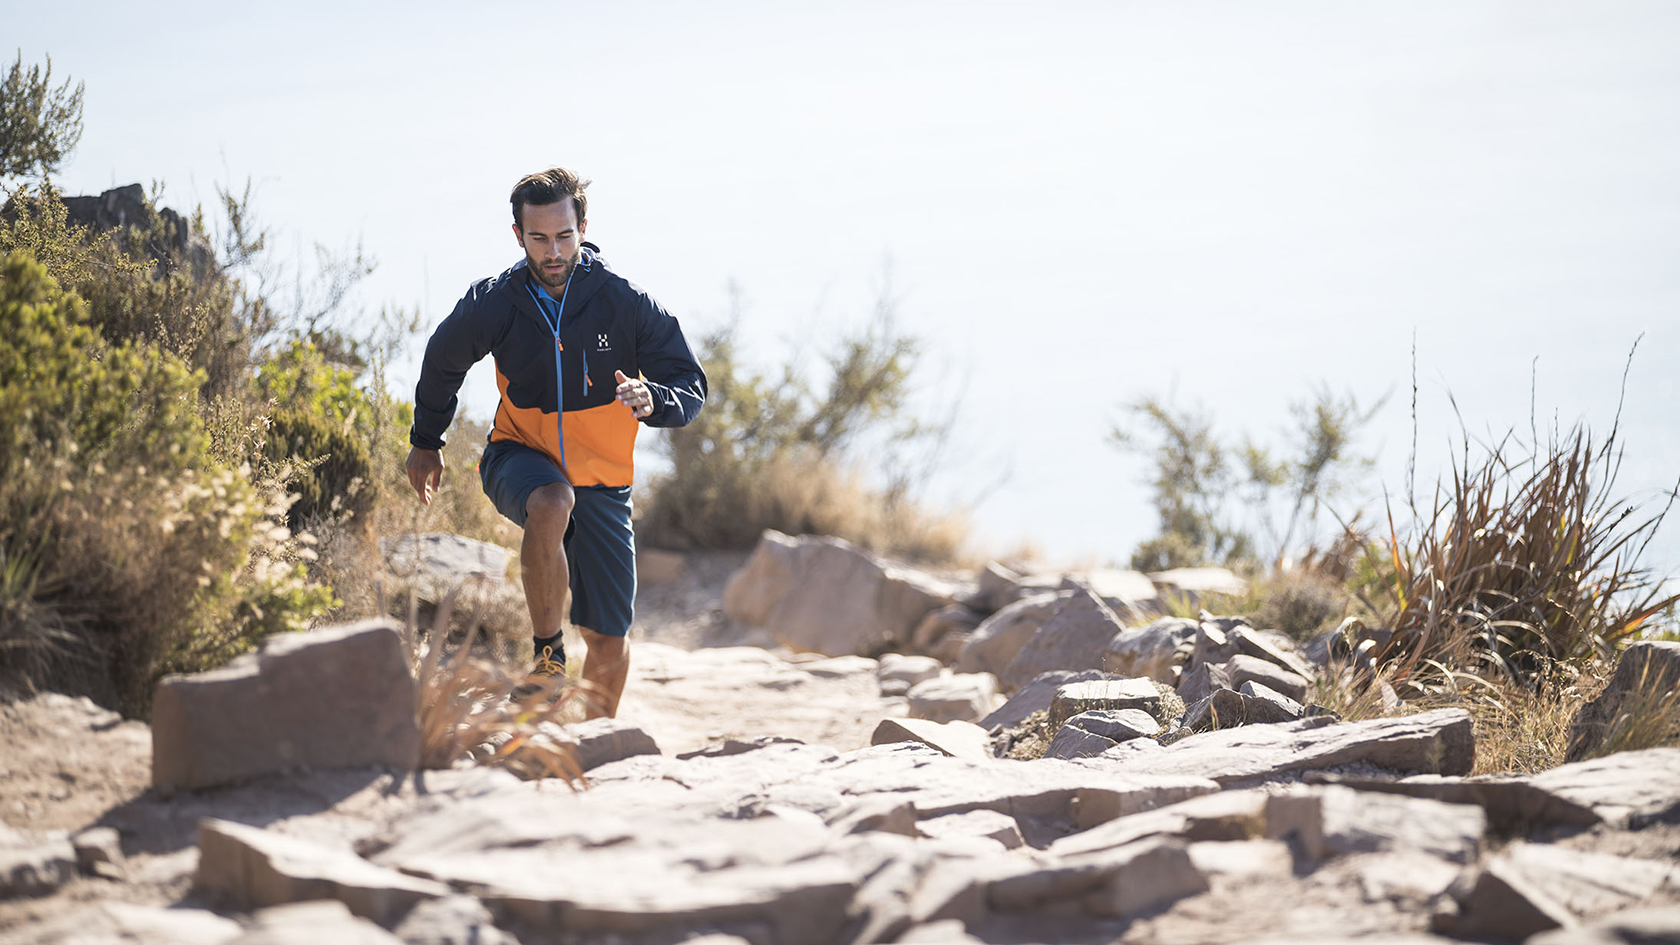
559 375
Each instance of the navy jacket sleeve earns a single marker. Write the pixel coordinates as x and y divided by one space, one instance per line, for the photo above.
674 377
461 341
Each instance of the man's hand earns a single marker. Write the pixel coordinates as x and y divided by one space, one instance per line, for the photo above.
425 472
634 394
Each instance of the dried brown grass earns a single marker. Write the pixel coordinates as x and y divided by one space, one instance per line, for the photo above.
475 711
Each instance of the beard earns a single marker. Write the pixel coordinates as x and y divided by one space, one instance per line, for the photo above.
555 278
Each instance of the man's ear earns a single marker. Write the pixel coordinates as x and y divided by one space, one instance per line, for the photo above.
583 227
519 235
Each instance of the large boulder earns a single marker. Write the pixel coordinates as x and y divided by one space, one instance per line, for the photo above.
823 595
1076 637
338 697
1158 650
438 562
999 637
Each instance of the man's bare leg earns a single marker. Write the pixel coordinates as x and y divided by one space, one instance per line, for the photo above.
542 557
604 672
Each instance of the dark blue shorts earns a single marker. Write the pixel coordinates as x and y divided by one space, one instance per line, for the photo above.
600 545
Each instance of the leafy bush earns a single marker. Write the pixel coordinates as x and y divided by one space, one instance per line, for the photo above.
1218 505
39 125
131 553
325 424
768 452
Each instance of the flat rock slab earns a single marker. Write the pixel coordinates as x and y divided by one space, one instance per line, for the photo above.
1272 647
1226 816
131 925
312 923
603 741
1333 821
1073 742
253 868
1514 805
438 561
1118 724
824 595
1627 789
34 866
1648 926
1533 888
1122 881
1436 742
1022 789
975 823
957 739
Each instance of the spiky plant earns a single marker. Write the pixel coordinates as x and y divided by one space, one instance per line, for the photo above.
1522 566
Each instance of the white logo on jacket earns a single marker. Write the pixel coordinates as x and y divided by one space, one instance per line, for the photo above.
601 343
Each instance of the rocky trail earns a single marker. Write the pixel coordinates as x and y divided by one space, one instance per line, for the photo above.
776 777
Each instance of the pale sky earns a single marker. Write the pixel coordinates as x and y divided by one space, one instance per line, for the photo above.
1082 203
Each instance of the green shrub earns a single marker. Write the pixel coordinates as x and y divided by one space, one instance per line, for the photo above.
769 452
323 424
1240 507
130 551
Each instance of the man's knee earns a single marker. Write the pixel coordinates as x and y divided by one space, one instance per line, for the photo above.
605 647
550 506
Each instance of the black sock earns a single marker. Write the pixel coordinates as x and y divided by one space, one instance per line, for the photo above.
552 643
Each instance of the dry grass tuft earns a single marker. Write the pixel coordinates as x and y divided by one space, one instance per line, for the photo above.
1648 716
1521 731
473 710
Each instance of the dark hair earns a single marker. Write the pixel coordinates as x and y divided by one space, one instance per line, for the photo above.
546 187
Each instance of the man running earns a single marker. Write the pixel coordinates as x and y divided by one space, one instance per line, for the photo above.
583 357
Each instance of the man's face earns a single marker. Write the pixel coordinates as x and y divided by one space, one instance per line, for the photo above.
552 239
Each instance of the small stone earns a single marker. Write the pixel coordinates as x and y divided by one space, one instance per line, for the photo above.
1071 742
909 670
1243 668
1118 724
1266 705
975 823
1200 682
959 697
96 847
1074 698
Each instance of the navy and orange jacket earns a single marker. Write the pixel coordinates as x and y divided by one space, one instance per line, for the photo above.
558 391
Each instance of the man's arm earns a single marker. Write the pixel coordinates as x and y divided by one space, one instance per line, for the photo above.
675 381
461 341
